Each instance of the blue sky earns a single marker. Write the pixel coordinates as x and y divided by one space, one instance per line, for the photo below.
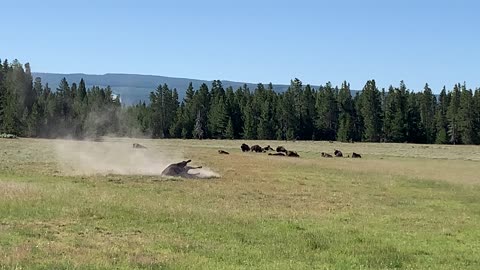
253 41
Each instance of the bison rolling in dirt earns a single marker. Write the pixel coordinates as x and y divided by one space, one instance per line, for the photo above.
181 170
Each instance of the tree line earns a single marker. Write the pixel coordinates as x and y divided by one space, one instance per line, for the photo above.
29 108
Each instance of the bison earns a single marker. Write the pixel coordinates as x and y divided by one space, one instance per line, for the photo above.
277 154
256 148
245 147
326 155
223 152
292 154
267 148
180 170
338 153
355 155
281 149
139 146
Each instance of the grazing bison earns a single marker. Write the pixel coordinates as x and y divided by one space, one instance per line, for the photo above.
223 152
137 145
256 148
326 155
355 155
267 148
338 153
245 147
281 149
277 154
292 154
180 170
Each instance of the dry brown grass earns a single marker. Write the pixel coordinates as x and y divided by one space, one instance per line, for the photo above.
400 206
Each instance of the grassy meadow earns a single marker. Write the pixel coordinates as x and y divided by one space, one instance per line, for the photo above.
401 206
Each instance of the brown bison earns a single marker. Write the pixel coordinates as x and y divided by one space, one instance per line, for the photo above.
292 154
245 147
277 154
326 155
223 152
256 148
281 149
137 145
267 148
180 170
355 155
338 153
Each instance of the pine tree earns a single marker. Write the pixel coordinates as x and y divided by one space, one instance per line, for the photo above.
249 128
3 92
453 115
234 111
178 124
308 114
189 113
327 112
201 104
389 111
230 133
466 117
218 117
427 113
371 112
163 104
415 132
33 120
476 105
198 131
441 118
345 107
11 119
398 124
266 118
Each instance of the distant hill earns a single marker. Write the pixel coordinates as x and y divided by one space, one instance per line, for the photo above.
133 88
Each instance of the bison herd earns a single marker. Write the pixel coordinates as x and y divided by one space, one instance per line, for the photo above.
181 169
281 151
338 153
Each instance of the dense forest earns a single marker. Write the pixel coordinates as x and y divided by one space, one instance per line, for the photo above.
30 109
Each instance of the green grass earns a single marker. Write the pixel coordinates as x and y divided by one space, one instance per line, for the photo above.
402 206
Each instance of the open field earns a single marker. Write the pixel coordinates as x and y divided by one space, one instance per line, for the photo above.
402 206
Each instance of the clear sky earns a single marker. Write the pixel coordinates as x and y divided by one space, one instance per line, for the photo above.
251 41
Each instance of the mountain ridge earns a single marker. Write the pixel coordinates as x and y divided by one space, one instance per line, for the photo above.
134 88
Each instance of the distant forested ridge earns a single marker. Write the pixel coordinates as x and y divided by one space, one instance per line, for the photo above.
134 88
31 108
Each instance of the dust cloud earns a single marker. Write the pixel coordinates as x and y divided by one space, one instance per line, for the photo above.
90 158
